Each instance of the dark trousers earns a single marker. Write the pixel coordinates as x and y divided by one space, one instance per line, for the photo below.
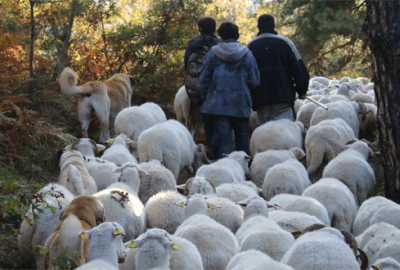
241 128
211 135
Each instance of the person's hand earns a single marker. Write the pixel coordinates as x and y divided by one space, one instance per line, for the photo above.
303 96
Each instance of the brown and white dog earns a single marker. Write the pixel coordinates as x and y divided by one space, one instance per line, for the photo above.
104 99
82 213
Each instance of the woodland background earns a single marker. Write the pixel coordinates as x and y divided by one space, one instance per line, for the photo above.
143 38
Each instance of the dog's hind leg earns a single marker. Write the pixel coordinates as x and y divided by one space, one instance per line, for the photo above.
101 106
85 111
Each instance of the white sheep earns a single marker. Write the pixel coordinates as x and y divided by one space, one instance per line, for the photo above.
33 233
74 175
261 233
337 199
106 246
132 121
293 221
254 259
379 241
322 249
338 109
119 152
171 143
82 213
374 210
122 204
215 243
289 176
154 247
161 211
86 146
102 171
185 258
233 168
158 179
125 208
387 263
228 214
130 177
352 167
237 192
264 160
277 135
324 142
189 117
295 203
321 79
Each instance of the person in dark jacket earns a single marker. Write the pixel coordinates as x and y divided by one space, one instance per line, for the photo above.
282 73
206 39
229 72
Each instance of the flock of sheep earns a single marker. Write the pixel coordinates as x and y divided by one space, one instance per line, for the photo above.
122 210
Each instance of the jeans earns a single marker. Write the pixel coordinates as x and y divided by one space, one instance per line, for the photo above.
211 134
273 112
224 125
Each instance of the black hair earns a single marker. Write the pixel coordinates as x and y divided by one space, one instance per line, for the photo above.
228 30
266 21
207 25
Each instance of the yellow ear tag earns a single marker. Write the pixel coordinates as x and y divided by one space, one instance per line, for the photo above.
99 148
117 231
258 190
132 244
301 156
110 142
128 142
182 204
69 147
84 235
176 247
212 206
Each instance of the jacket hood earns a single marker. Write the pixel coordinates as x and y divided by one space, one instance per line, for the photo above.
230 51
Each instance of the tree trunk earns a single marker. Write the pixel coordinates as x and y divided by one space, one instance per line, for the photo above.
383 19
32 39
64 49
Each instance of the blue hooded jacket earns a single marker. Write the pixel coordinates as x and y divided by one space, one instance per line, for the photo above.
229 72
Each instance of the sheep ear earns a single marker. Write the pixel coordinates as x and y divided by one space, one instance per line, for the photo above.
181 204
68 147
117 170
247 157
117 231
272 205
142 173
225 155
100 147
212 206
181 186
130 244
242 203
110 141
83 235
175 246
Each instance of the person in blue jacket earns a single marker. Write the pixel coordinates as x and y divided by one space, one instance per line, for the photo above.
229 72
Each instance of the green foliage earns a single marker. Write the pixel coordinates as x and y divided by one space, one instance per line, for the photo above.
328 36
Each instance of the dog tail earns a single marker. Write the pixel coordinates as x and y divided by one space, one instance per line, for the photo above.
68 81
